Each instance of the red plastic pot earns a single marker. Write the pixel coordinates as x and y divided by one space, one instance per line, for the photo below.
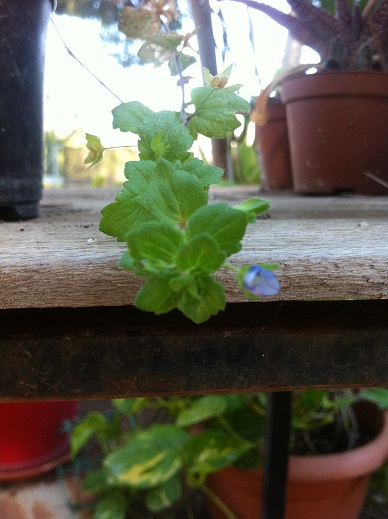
319 487
337 128
31 439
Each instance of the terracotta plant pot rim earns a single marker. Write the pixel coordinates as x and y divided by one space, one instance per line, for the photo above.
362 460
364 83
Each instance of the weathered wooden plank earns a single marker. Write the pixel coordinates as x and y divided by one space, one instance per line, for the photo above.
118 352
326 247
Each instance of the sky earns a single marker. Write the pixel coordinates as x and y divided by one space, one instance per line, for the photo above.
74 99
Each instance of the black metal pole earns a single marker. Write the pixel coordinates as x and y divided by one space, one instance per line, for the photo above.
276 455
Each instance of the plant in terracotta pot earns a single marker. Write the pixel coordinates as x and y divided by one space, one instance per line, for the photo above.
157 452
22 51
176 240
336 117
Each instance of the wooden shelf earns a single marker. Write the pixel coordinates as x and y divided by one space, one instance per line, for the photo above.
68 330
326 247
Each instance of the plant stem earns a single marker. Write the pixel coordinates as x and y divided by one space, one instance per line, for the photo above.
83 64
218 502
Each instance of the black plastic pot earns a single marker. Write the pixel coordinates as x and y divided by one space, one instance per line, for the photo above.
23 27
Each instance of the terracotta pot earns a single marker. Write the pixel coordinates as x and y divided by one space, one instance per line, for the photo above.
22 50
273 149
337 127
31 440
319 487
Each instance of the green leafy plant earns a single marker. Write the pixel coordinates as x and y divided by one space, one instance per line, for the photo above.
175 239
155 451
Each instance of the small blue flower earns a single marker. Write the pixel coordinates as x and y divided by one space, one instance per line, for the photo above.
260 281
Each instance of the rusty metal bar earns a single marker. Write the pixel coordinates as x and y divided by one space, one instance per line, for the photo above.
119 351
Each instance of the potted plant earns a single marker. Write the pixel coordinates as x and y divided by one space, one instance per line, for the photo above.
22 52
157 451
336 116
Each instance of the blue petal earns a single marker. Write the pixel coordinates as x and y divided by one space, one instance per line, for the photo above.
260 281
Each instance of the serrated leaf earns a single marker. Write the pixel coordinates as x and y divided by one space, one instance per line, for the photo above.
150 459
123 215
128 116
165 495
185 61
253 207
96 150
206 173
159 48
224 224
201 254
209 299
202 409
156 244
174 194
215 110
156 295
176 138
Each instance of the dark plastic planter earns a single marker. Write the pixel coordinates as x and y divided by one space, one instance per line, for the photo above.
23 30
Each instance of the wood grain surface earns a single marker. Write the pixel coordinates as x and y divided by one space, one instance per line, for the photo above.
326 248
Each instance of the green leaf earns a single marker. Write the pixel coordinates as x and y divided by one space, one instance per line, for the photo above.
175 137
155 243
149 459
128 263
208 300
84 431
130 406
377 395
112 505
253 207
96 481
165 495
123 215
128 116
214 112
185 61
206 173
174 194
159 48
202 409
201 254
96 150
156 295
224 224
210 451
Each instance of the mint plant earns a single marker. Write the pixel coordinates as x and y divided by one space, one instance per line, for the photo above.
175 240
